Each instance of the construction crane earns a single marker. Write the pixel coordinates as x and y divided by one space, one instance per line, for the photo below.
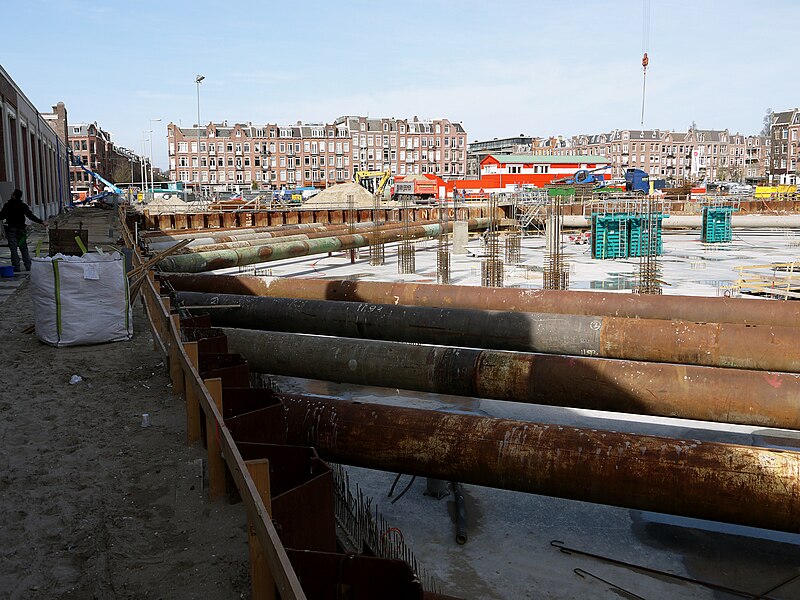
110 187
645 48
374 181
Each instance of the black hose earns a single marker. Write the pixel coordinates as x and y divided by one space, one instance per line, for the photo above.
405 489
461 513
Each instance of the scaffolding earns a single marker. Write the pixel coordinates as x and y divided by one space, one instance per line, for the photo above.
531 206
492 265
555 273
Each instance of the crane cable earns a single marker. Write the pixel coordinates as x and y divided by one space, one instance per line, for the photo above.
645 48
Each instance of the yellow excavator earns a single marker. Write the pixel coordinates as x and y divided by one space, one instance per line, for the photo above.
373 181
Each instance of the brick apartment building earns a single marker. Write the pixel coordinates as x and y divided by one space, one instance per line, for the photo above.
693 155
93 147
219 157
33 156
785 139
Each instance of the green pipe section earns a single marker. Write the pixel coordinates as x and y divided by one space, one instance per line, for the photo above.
222 259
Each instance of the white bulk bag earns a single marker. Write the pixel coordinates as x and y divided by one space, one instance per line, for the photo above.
81 299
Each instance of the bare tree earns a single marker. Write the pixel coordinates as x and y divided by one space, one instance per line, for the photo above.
767 122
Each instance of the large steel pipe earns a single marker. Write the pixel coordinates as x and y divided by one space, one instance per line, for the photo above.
221 259
685 308
258 240
766 348
159 236
722 482
212 238
683 391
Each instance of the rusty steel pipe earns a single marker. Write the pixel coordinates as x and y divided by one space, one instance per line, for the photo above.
158 236
683 391
634 306
760 347
212 239
260 240
222 259
738 484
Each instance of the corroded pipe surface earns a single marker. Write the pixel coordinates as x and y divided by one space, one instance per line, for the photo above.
260 240
211 238
704 393
182 234
221 259
761 347
722 482
686 308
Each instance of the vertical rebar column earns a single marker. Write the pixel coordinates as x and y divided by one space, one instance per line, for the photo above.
556 271
513 237
377 248
351 222
406 260
443 246
492 266
648 276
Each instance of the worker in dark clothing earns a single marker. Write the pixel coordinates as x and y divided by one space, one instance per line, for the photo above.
14 212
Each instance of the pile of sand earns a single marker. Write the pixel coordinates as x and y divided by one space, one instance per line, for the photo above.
336 196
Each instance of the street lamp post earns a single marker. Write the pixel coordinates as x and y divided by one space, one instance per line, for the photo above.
151 150
198 80
143 167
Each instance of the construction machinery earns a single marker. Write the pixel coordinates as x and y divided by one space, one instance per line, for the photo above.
639 182
583 176
110 188
373 181
416 188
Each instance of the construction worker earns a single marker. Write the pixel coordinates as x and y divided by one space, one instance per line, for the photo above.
14 212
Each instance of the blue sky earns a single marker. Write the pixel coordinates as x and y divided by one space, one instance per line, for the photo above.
501 68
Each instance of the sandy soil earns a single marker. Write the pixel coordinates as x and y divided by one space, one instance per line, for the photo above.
92 505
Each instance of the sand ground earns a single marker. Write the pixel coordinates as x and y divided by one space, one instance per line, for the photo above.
93 505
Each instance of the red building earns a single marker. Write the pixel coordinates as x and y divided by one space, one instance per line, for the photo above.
503 173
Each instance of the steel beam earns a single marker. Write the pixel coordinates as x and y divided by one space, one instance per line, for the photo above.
683 391
221 259
723 482
685 308
765 348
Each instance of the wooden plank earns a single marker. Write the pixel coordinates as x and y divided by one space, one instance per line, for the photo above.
285 578
262 585
192 403
175 370
216 464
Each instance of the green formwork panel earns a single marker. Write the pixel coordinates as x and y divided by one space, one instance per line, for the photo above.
623 235
610 235
639 236
717 224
